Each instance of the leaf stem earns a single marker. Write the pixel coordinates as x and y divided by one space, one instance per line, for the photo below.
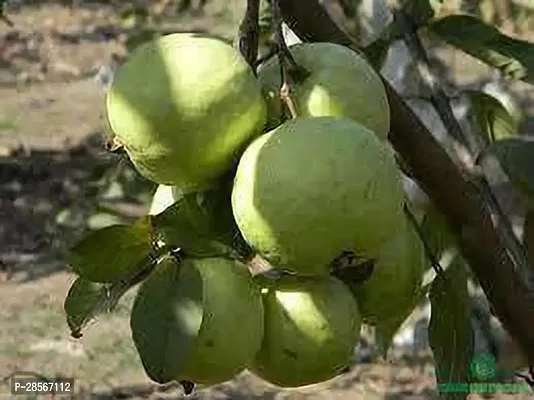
288 65
426 246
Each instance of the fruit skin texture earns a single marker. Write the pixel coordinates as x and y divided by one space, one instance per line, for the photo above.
222 347
312 326
393 286
183 105
233 322
341 83
313 188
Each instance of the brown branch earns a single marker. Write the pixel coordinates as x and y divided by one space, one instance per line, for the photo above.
441 103
249 33
437 174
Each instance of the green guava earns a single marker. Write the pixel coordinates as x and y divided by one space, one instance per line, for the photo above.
231 329
312 326
394 284
341 83
313 188
183 105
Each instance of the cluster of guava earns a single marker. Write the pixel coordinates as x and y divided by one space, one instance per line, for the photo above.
187 108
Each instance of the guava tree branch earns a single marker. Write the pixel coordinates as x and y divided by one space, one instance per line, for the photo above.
249 33
442 104
458 199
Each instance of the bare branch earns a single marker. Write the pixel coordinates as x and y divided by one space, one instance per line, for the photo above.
456 197
249 33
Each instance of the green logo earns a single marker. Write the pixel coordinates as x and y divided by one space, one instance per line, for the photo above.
483 367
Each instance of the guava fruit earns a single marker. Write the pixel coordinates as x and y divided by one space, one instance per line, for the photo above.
166 310
312 326
313 188
183 105
341 83
394 284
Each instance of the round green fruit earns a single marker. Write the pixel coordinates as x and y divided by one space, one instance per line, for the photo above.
341 83
394 285
312 326
313 188
183 105
166 311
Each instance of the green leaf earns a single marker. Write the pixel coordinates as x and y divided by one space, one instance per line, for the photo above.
450 332
493 120
516 156
82 304
385 331
86 299
111 253
166 317
202 224
513 57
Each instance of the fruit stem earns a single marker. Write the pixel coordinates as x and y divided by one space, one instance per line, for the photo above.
428 251
288 66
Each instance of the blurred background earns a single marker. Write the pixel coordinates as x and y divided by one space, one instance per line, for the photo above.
57 182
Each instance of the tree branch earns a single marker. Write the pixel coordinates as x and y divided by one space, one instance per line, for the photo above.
437 174
249 33
441 103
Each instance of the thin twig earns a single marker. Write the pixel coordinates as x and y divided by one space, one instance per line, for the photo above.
249 33
285 58
441 102
3 17
426 246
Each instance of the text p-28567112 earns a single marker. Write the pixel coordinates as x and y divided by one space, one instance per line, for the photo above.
34 385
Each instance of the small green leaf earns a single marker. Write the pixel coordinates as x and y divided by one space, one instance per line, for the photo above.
202 224
81 303
111 253
86 299
493 120
385 331
516 156
513 57
166 317
450 332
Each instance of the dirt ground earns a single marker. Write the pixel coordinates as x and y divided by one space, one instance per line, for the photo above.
51 161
